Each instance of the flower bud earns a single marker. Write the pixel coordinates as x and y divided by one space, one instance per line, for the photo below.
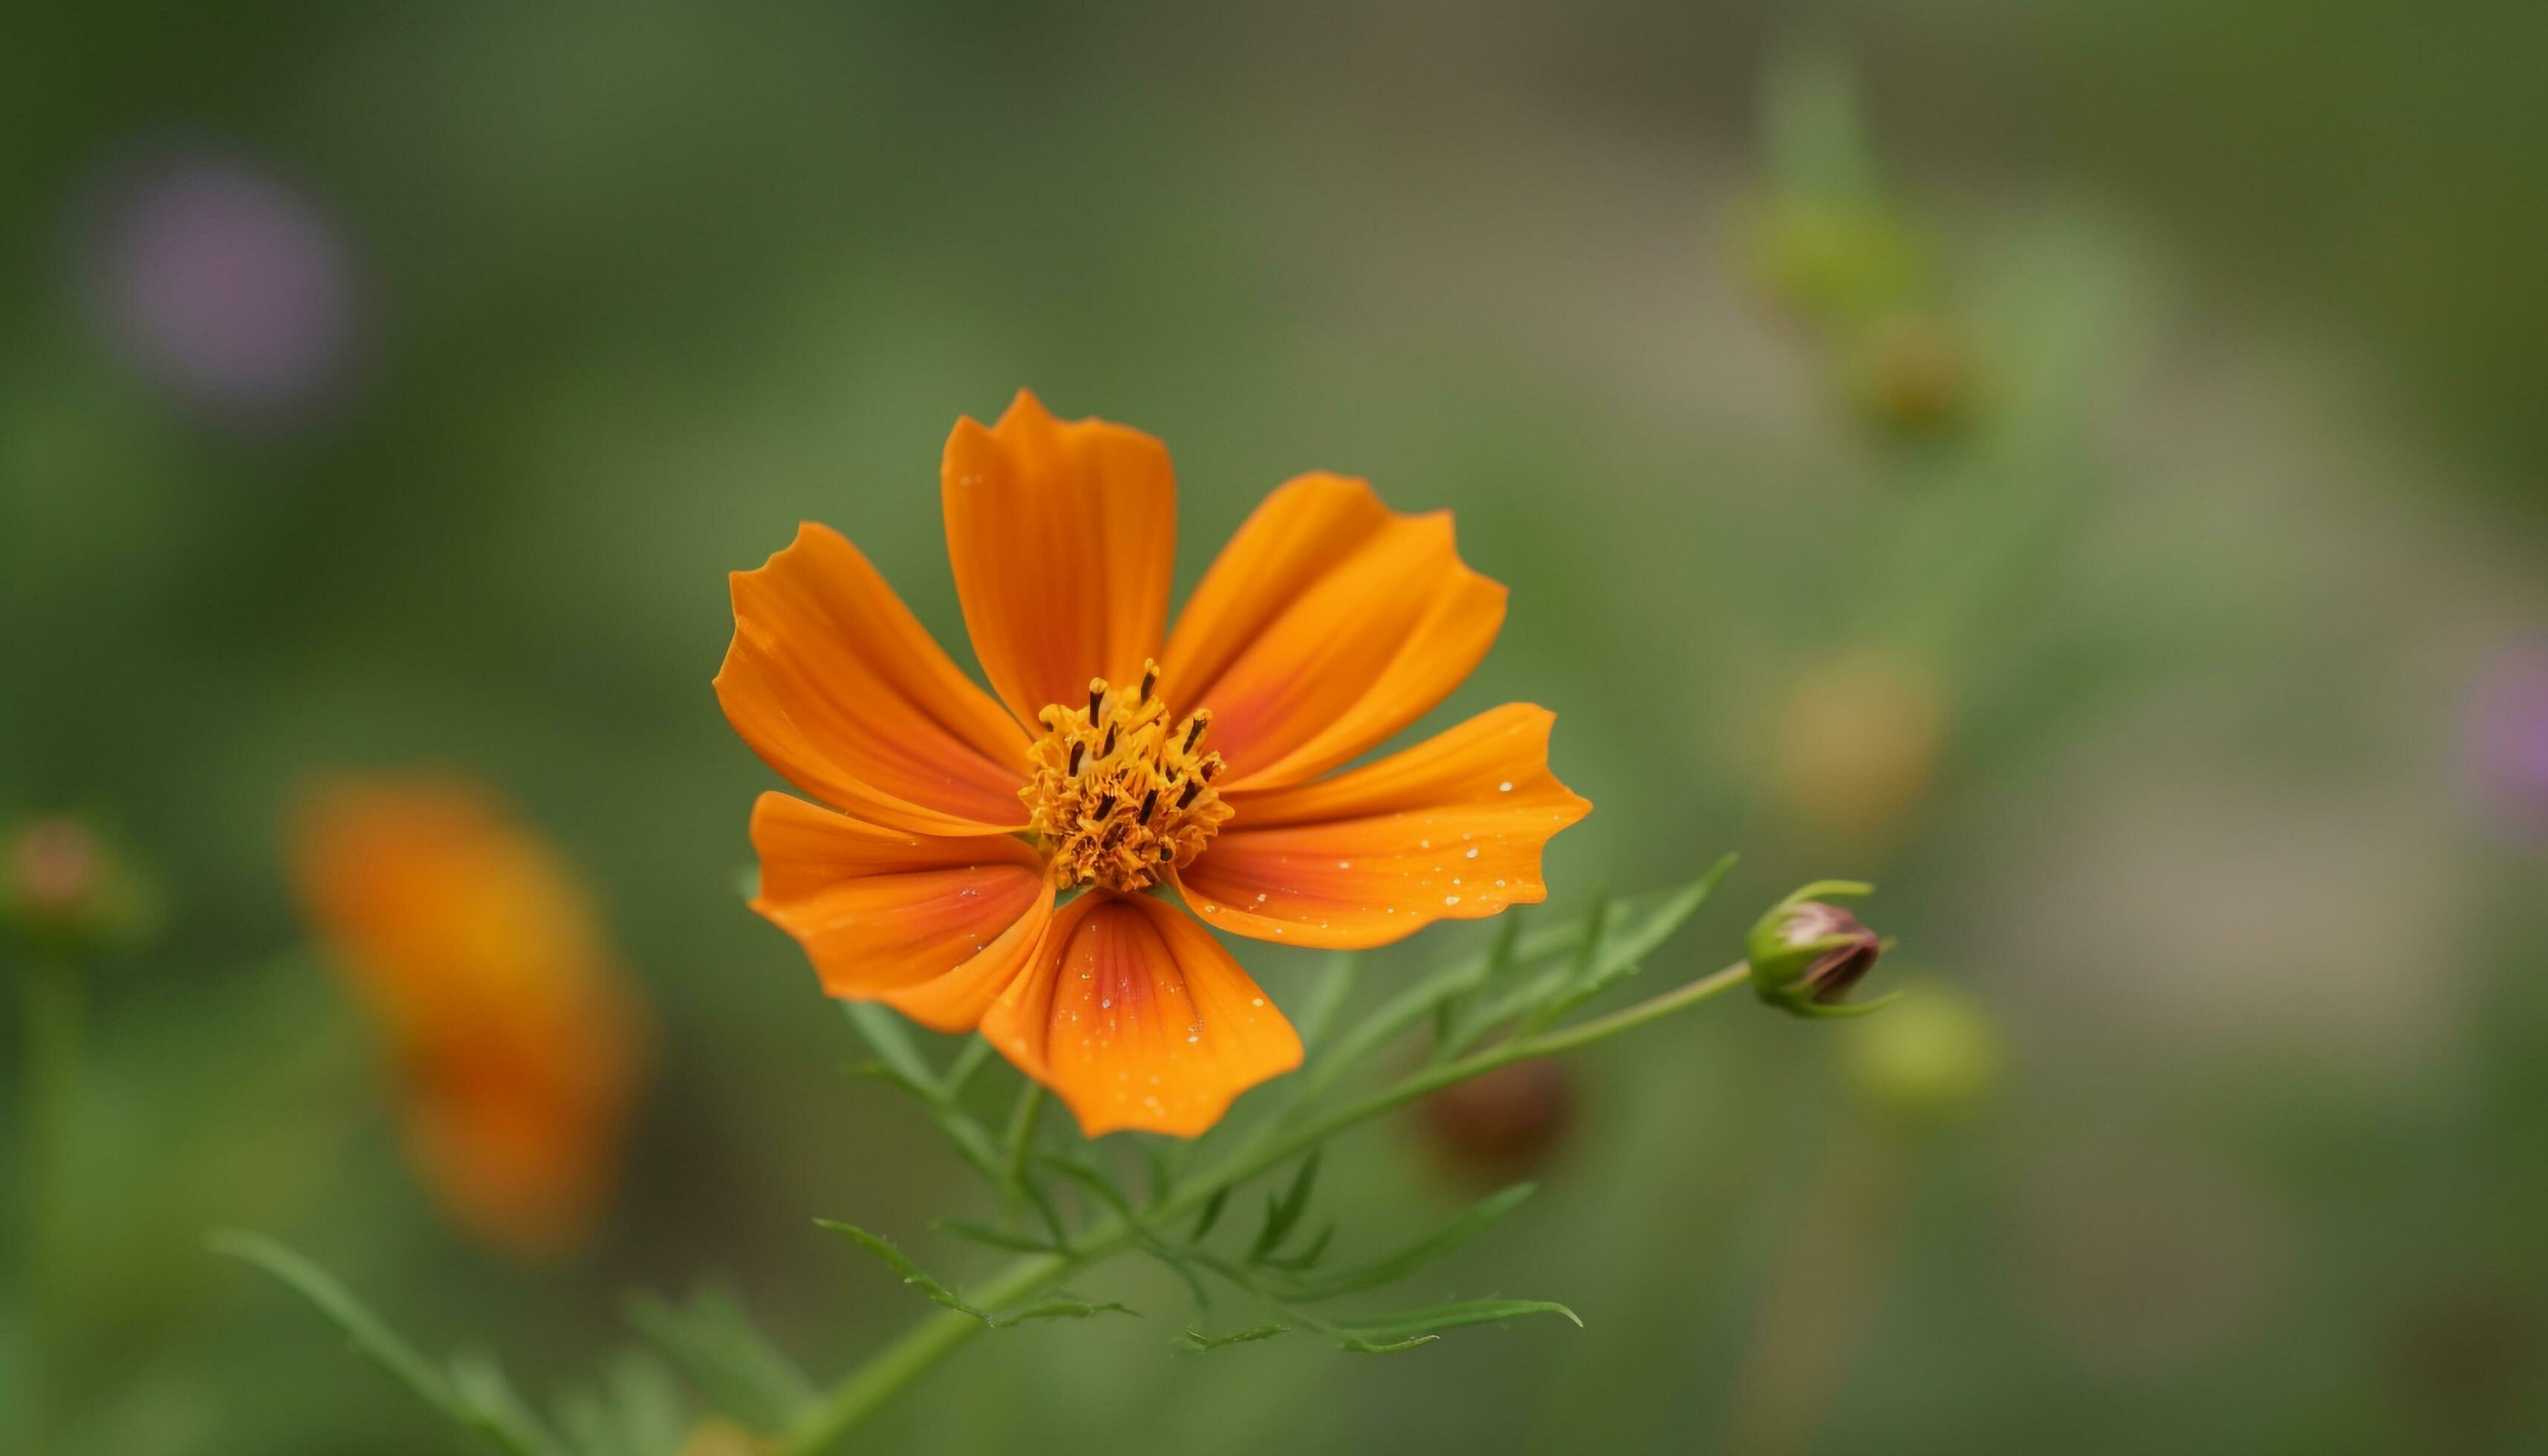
60 885
1807 953
1830 260
1857 744
1504 1124
1931 1062
1912 376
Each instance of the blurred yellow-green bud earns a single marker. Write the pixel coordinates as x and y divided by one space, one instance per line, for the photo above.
1932 1059
1807 953
1830 260
1913 376
63 890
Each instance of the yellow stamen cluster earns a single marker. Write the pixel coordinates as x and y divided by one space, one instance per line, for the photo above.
1122 791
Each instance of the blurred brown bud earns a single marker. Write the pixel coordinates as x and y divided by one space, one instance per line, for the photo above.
2466 1356
1913 375
1502 1125
62 885
1858 743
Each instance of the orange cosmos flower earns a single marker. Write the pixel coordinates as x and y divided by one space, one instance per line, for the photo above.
1119 761
518 1045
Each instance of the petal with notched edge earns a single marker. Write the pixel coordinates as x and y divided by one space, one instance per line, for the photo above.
1334 625
836 685
933 925
1136 1017
1061 537
1451 828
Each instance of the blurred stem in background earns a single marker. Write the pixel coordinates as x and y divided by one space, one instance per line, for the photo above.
1929 1063
49 999
1821 1296
64 897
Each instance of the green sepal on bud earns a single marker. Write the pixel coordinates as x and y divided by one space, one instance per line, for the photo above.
1807 954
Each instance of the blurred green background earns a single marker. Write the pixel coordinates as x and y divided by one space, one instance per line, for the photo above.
2096 492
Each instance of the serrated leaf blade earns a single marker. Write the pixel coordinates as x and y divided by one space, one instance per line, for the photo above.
1390 1269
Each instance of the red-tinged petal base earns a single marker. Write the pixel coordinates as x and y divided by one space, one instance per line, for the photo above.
933 927
1136 1018
1452 828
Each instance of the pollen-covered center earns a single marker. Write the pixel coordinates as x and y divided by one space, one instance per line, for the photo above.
1122 788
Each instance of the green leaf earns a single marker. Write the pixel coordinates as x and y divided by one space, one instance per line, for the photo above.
1094 1181
1062 1306
912 1274
892 1076
1633 926
457 1397
1308 1257
1195 1340
1211 1213
904 1067
984 1233
1476 1220
1326 997
1283 1214
1629 930
481 1385
889 1037
1617 945
1046 1213
1392 1333
1357 1043
1162 1163
969 1059
643 1406
713 1340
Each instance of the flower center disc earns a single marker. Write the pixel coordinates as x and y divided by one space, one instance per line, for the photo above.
1121 789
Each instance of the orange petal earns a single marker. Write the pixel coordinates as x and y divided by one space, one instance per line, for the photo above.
1136 1017
1062 537
1309 526
1452 828
521 1047
1325 626
933 927
836 685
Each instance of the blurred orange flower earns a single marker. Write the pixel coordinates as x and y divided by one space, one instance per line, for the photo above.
518 1046
1119 761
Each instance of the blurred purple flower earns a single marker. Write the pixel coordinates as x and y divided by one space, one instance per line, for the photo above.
223 280
2508 718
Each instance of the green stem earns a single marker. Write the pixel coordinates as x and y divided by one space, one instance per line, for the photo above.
933 1339
940 1334
49 991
